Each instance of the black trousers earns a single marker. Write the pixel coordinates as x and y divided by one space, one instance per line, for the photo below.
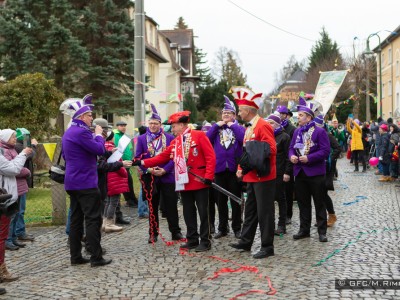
359 156
281 199
191 200
85 208
170 198
259 210
307 187
212 196
130 197
289 190
228 181
329 204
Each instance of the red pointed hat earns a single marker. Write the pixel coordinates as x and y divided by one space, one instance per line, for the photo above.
179 117
246 97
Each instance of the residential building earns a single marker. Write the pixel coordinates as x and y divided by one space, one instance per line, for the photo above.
390 68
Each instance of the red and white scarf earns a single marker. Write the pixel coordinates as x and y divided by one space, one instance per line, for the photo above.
181 155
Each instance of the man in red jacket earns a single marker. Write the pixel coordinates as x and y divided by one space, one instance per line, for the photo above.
259 207
192 152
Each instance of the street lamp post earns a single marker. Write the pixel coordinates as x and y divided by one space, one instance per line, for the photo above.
367 52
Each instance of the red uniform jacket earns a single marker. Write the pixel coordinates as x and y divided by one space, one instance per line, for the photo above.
201 160
263 132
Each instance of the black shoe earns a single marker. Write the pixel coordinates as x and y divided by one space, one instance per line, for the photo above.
240 246
2 291
80 261
203 247
220 235
177 236
280 230
18 244
238 235
89 251
301 235
263 254
323 238
26 237
150 240
123 221
189 245
100 262
356 170
364 170
288 221
11 246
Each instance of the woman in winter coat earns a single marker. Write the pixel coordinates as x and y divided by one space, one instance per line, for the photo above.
8 140
393 148
117 183
357 147
384 155
8 172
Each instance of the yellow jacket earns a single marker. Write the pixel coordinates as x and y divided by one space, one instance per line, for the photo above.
356 136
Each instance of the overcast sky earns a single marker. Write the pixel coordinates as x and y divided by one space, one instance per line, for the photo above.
264 49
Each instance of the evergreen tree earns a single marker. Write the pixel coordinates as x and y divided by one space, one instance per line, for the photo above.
181 24
85 46
190 105
108 35
325 50
38 37
202 70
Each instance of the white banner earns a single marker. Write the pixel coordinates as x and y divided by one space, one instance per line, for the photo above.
328 85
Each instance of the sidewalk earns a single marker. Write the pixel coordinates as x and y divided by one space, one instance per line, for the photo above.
364 243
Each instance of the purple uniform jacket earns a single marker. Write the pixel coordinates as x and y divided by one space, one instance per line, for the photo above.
80 151
227 158
319 151
142 148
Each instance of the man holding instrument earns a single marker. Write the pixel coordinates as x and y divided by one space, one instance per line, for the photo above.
192 153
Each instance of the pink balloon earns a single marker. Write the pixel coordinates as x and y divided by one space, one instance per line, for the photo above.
374 161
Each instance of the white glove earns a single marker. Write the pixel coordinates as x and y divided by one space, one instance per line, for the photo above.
380 158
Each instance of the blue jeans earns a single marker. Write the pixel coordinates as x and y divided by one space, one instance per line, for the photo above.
20 222
386 169
12 236
143 208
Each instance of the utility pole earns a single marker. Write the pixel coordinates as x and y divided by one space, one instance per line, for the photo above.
367 101
140 52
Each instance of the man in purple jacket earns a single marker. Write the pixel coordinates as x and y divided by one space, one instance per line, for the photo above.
80 151
226 136
159 181
308 150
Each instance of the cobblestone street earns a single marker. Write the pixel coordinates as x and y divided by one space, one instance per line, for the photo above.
364 243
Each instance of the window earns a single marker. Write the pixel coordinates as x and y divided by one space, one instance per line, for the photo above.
397 68
383 59
151 74
383 90
109 118
390 56
390 88
398 100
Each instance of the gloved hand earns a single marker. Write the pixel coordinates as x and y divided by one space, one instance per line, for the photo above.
207 182
137 162
380 158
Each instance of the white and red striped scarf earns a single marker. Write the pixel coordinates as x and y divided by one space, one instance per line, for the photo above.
181 173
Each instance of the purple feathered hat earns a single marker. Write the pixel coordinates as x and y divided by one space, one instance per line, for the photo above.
229 105
82 106
274 118
154 115
282 109
309 108
319 120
